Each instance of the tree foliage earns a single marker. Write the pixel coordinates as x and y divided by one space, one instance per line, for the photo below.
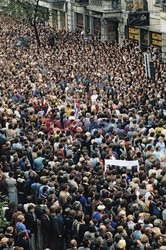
3 222
28 11
21 9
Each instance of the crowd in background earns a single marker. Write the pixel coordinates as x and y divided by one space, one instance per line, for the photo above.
64 108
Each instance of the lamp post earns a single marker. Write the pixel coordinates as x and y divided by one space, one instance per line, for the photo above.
149 66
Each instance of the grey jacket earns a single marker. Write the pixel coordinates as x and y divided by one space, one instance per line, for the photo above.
11 185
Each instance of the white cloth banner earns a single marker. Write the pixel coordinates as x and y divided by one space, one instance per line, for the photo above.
122 163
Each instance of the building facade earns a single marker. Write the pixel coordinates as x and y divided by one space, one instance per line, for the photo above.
103 17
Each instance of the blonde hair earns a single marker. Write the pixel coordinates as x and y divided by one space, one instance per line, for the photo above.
20 218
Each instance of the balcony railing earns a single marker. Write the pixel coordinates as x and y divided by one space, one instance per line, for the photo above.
54 1
96 3
106 5
82 2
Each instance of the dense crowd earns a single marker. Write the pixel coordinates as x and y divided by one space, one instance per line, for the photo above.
64 108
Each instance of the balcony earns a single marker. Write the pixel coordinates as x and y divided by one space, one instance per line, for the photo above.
81 2
160 4
54 1
105 5
53 4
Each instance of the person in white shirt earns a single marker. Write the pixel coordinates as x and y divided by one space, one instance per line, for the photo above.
161 143
29 202
94 96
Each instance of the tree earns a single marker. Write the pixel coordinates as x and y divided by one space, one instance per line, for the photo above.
3 222
27 10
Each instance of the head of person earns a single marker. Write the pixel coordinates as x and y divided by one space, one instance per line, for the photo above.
31 208
20 218
73 244
121 245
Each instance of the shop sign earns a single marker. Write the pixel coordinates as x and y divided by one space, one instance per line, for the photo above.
156 39
138 19
134 34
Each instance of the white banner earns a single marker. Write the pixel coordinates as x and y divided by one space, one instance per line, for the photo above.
122 163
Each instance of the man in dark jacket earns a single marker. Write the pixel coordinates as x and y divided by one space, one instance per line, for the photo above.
46 228
31 224
57 226
30 219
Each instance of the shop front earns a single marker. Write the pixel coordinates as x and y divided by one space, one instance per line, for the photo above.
144 37
79 21
156 39
112 31
63 19
97 25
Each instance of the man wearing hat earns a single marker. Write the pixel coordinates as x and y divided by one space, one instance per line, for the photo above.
99 214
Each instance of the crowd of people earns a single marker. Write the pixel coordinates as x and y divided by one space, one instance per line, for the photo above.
64 109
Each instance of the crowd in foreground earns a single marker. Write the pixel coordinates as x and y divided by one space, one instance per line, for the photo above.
64 109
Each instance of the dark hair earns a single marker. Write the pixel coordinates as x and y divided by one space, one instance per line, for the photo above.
79 216
11 174
87 219
10 242
92 228
85 242
137 226
31 207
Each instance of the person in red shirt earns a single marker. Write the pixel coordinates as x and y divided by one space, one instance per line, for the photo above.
61 150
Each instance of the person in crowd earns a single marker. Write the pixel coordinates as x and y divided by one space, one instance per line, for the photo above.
20 226
57 228
46 228
12 188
